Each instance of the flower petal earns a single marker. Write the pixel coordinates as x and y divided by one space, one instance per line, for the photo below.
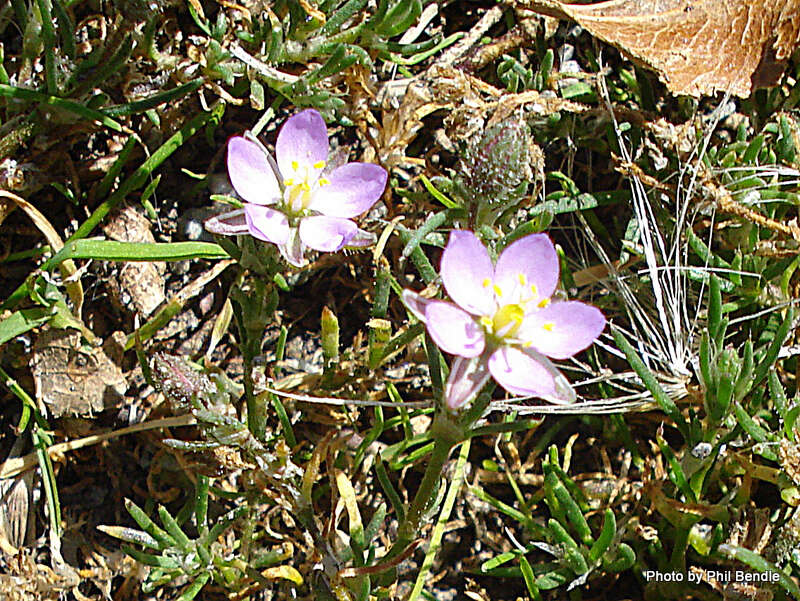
467 273
250 173
232 223
467 378
562 328
304 139
266 224
530 374
361 239
327 234
453 330
293 250
349 190
416 303
527 268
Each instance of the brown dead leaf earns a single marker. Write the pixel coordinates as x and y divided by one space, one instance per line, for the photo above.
74 379
697 47
140 284
17 514
789 454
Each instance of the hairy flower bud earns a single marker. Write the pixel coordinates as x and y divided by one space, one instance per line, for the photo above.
496 169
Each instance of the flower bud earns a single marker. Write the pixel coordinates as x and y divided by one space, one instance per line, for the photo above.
496 169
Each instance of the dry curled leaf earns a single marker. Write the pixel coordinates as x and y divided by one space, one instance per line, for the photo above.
697 47
71 379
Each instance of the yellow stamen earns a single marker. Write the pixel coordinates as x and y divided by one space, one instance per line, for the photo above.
288 182
543 303
534 290
324 181
485 283
522 279
295 165
497 290
305 186
486 322
319 164
527 344
548 326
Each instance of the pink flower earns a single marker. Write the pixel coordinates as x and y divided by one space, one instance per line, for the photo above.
503 322
293 201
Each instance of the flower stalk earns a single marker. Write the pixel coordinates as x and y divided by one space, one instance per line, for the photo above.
446 433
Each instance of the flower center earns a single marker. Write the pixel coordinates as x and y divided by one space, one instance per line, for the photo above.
513 305
507 319
300 187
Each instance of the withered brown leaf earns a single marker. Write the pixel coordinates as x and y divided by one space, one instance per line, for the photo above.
697 47
71 379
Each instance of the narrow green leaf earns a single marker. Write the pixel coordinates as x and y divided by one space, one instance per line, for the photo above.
498 560
560 534
624 560
60 103
512 512
341 15
575 561
714 307
157 561
201 501
761 565
389 490
749 425
113 250
667 405
573 512
146 524
129 535
600 546
140 106
447 202
23 321
774 348
743 380
675 473
530 578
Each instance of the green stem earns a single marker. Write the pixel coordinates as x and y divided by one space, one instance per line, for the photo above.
430 481
256 409
446 435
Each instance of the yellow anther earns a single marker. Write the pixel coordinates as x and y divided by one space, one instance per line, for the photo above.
295 165
548 326
319 164
486 322
305 186
486 282
527 344
324 181
534 290
543 303
497 290
288 182
522 279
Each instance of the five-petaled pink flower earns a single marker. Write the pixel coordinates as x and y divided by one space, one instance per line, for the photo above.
293 201
504 322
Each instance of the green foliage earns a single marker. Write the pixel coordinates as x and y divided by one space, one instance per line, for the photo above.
575 549
173 556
